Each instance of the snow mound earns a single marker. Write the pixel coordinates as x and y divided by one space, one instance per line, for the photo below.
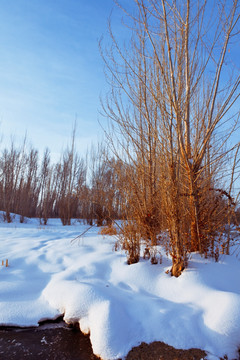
119 305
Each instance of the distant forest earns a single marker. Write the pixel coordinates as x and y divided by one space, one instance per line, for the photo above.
74 187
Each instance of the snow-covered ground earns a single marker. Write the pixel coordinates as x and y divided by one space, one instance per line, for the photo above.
119 305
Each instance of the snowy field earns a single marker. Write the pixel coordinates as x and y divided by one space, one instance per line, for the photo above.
120 305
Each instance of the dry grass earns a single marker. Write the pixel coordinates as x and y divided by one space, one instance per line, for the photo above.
108 230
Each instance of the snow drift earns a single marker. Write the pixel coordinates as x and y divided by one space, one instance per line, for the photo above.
119 305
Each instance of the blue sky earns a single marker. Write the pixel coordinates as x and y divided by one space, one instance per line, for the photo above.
51 71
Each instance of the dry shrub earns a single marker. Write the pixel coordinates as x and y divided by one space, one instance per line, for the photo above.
130 239
108 230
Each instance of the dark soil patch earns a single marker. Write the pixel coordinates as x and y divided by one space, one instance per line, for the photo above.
59 342
160 351
54 340
43 343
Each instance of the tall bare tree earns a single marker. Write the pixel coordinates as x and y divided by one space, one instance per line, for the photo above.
173 89
103 185
29 186
12 165
47 188
71 177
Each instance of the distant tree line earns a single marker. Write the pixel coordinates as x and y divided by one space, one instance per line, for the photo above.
32 187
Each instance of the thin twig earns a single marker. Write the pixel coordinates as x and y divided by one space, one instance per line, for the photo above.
83 233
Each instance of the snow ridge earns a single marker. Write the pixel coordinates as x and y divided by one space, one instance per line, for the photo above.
119 305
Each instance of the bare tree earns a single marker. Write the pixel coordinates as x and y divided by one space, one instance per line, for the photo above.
29 186
47 189
71 177
12 167
173 90
103 186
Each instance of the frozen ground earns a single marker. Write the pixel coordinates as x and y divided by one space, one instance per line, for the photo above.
119 305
